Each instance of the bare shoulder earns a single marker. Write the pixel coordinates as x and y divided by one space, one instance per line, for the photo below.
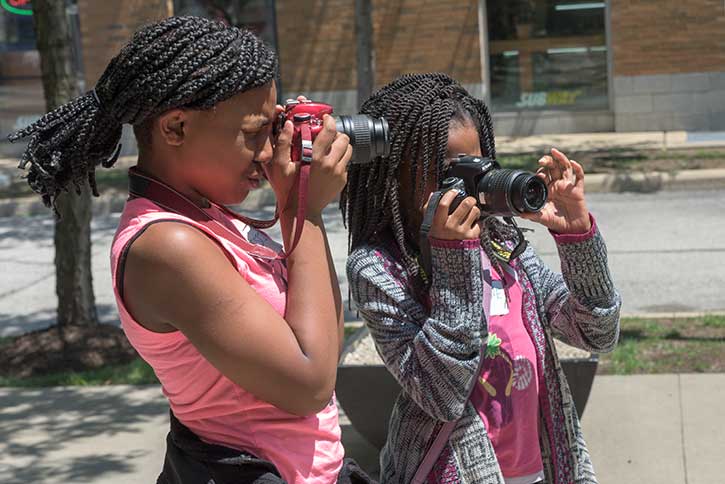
164 268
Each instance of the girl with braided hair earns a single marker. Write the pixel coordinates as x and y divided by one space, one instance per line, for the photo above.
484 399
245 345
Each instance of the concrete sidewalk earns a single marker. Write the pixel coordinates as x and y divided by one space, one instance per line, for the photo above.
650 140
645 428
657 428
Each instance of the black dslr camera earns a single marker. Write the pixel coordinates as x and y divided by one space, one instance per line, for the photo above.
497 190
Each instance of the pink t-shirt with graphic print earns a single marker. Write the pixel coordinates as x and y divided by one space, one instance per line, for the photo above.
506 394
304 449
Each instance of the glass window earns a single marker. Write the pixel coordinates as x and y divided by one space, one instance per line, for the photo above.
547 54
21 87
16 29
254 15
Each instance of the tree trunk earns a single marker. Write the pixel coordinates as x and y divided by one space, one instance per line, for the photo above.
365 52
74 283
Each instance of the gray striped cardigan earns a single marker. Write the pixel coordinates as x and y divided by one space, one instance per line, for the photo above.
434 353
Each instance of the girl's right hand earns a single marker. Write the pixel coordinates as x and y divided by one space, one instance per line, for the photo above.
462 224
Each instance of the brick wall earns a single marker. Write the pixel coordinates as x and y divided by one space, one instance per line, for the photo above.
107 25
669 65
316 41
652 37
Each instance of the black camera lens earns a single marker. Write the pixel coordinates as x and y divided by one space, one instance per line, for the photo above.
511 192
528 193
370 137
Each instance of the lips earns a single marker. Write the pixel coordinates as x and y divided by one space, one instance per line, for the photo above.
254 182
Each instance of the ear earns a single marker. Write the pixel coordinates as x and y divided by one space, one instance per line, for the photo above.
173 127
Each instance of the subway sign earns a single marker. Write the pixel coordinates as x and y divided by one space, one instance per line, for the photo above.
18 7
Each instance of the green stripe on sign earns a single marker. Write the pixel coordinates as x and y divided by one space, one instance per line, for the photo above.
15 10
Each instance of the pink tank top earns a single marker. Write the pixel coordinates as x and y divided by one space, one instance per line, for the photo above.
506 394
304 449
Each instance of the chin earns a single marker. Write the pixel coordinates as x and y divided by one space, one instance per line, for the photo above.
230 198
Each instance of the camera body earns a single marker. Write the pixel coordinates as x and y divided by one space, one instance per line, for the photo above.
370 137
498 191
303 114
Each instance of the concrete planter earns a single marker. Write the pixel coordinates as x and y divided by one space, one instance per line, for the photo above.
367 393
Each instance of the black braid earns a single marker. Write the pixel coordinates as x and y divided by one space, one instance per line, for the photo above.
419 109
188 62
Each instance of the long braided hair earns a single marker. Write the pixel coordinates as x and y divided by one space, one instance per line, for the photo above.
419 109
179 62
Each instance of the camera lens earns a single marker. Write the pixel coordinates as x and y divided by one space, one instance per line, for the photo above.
511 192
528 193
370 137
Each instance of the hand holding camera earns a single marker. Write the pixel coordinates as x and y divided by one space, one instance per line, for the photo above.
329 155
565 211
307 134
473 185
459 223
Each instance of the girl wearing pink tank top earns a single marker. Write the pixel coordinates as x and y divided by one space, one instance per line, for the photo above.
206 401
245 348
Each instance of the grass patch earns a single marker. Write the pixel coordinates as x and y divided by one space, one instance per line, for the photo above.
520 162
350 330
708 155
714 321
138 372
116 178
684 345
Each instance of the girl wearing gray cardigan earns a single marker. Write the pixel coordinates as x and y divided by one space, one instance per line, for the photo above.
470 339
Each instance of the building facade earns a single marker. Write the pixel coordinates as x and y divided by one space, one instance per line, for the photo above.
544 66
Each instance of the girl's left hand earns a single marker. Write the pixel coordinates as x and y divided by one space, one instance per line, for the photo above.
565 211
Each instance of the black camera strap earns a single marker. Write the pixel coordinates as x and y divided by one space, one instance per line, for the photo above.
522 242
424 242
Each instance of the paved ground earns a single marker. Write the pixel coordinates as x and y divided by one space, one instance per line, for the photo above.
657 428
640 429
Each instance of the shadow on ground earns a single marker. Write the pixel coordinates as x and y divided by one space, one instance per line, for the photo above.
38 426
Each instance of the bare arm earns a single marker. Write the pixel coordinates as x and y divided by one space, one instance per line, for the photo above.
228 322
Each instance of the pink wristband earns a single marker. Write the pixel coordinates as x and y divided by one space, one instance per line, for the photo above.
573 238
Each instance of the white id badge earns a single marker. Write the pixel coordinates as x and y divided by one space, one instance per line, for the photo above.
499 305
